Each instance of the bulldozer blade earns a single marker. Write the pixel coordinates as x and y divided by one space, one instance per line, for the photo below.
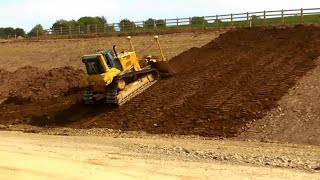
162 66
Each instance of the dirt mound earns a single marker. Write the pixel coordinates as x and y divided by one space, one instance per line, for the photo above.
13 81
29 90
221 88
217 90
296 119
30 83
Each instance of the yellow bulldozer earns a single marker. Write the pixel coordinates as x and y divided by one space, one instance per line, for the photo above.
118 77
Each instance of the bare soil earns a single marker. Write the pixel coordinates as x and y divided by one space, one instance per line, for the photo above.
217 90
48 54
35 156
297 116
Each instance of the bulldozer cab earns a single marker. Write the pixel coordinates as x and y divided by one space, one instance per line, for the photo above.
94 65
101 62
111 60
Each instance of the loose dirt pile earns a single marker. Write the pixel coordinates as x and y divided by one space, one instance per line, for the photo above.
218 89
34 84
297 117
221 88
28 90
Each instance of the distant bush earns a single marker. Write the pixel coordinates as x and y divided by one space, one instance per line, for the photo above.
64 24
37 30
86 20
86 24
254 17
198 20
160 23
126 25
152 23
11 31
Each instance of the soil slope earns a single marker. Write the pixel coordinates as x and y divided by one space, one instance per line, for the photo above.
217 90
297 117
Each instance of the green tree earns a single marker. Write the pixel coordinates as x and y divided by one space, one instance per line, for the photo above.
64 24
196 20
36 30
160 23
87 20
11 31
149 24
88 23
20 32
126 25
7 31
255 17
152 23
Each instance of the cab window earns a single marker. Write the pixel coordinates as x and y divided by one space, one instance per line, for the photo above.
94 65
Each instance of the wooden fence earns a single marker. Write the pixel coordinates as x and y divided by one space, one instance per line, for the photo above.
248 19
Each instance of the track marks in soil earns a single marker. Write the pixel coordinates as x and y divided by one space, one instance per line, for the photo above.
217 90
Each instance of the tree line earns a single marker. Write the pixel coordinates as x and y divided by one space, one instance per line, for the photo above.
12 31
88 23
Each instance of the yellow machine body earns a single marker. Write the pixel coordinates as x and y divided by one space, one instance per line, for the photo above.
117 77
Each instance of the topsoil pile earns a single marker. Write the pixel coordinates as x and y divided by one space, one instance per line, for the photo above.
217 90
33 84
29 90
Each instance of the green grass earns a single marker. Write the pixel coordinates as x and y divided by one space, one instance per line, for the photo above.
222 24
245 23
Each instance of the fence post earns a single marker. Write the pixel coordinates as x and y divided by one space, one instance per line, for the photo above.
264 17
70 30
78 29
203 22
302 15
61 30
37 33
165 23
282 16
154 24
123 25
9 36
133 26
104 28
231 19
52 31
15 36
177 21
248 18
217 20
190 22
96 28
88 28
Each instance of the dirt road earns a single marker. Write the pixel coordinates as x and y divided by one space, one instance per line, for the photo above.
36 156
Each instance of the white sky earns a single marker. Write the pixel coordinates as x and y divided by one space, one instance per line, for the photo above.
27 13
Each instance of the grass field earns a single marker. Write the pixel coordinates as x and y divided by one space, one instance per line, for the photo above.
256 22
48 54
238 22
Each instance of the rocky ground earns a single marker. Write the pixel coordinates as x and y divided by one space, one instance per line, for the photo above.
132 156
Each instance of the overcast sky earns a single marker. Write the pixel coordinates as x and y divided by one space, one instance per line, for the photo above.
27 13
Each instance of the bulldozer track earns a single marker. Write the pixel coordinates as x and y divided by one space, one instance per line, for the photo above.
112 92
